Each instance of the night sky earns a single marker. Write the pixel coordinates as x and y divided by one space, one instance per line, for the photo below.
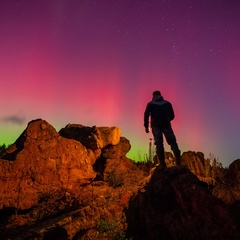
98 62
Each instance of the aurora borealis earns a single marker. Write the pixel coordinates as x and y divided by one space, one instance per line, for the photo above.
97 63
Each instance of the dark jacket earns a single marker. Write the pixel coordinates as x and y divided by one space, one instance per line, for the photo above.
161 113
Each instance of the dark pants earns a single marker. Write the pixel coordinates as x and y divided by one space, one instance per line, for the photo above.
171 140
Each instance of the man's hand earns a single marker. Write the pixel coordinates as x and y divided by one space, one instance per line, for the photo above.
147 130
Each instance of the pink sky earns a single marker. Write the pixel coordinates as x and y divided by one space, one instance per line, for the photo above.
96 63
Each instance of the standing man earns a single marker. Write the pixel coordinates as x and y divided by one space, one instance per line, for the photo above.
161 113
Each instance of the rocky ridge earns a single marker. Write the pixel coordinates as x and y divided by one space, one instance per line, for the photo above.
78 184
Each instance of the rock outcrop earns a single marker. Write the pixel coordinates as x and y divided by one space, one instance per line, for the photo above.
174 205
93 138
41 161
79 184
66 186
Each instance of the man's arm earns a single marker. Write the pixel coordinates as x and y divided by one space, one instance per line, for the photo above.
171 112
146 118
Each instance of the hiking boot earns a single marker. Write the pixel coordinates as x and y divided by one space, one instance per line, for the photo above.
177 155
161 159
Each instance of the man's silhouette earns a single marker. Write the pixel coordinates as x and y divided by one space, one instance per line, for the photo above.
161 114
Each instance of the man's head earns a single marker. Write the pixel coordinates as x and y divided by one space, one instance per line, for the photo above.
156 93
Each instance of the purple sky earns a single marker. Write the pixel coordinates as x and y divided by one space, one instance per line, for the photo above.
97 63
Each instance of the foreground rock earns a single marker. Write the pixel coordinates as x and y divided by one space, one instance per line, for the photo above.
41 162
176 205
78 184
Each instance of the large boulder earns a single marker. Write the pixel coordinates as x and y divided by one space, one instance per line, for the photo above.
92 137
40 162
175 204
116 151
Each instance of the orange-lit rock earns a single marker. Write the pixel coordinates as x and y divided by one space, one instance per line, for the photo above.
78 184
39 162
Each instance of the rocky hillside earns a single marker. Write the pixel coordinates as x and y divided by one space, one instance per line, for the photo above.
78 184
